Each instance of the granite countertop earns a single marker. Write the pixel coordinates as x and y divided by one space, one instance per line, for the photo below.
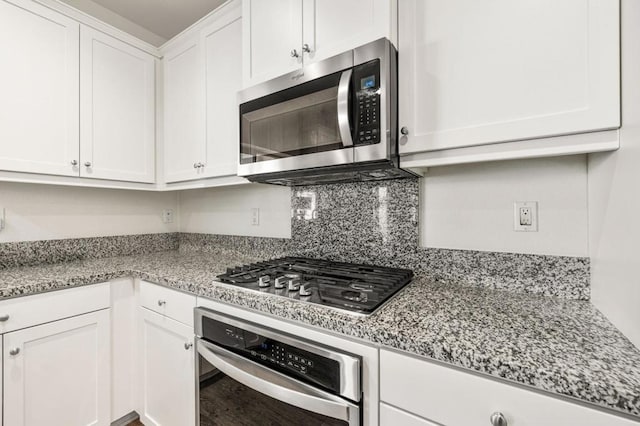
562 346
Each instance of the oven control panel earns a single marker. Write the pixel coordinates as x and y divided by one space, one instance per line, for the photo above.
294 361
366 79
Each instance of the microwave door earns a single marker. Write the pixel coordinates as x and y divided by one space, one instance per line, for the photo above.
304 127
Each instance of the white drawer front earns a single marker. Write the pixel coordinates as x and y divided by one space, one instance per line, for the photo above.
455 398
165 301
391 416
27 311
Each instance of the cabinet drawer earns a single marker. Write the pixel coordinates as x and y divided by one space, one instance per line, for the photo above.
391 416
451 397
22 312
165 301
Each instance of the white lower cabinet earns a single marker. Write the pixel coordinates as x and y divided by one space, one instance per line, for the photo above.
392 416
58 373
166 371
452 397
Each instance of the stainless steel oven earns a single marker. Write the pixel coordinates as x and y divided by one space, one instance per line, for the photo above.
331 121
251 375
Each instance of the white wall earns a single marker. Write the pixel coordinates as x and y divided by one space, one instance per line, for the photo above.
614 199
227 210
42 212
471 206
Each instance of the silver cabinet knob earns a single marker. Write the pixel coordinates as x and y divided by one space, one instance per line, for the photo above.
74 162
306 48
188 346
4 318
14 351
404 131
498 419
87 164
162 302
201 165
195 165
294 53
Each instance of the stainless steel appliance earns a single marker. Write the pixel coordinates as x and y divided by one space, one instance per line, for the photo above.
252 375
331 121
347 286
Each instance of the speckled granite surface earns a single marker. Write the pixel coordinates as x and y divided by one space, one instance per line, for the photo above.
26 253
557 345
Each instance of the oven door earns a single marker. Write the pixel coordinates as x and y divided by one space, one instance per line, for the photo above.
236 391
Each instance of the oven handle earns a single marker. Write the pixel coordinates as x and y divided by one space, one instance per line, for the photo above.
343 108
277 385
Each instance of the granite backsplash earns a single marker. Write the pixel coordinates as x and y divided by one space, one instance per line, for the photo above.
364 222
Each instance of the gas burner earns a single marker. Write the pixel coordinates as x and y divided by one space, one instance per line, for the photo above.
352 287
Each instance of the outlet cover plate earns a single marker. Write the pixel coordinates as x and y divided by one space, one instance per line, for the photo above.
519 214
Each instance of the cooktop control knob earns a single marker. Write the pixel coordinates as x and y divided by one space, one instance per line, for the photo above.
280 282
305 290
293 285
263 281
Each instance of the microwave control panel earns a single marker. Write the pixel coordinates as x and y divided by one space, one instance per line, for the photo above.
366 78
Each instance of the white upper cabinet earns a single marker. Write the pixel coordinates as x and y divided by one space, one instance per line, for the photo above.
283 35
474 73
272 38
202 77
184 109
117 98
39 111
331 27
222 44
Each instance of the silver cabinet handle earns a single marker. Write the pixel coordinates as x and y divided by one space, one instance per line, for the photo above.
4 318
404 131
162 302
498 419
294 53
306 48
195 165
202 165
87 164
14 351
74 162
188 346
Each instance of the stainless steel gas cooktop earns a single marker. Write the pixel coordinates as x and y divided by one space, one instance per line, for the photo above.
352 287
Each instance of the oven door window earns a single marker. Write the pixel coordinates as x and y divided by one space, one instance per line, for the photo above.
297 121
226 402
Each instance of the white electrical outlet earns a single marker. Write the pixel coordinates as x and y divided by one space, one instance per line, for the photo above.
525 216
167 216
255 216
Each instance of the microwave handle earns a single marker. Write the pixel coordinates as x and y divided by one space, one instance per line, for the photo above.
276 385
343 108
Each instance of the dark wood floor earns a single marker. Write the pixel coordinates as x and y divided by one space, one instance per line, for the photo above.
135 423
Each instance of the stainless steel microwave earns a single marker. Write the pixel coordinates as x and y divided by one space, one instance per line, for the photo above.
331 121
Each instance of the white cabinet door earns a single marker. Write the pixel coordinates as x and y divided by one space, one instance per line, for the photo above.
117 109
453 397
38 89
184 109
391 416
58 373
473 73
331 27
167 374
271 31
222 43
